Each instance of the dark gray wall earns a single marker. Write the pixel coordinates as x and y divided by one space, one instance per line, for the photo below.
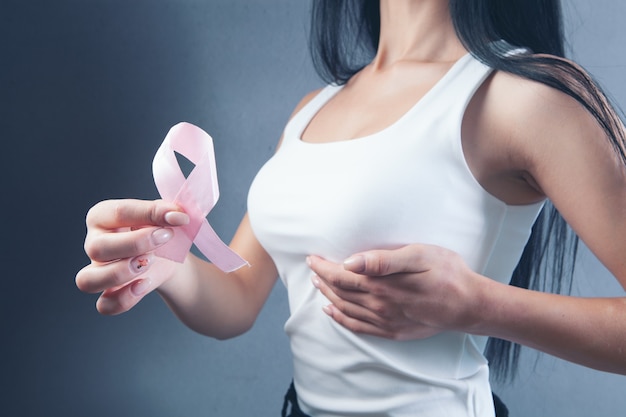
88 89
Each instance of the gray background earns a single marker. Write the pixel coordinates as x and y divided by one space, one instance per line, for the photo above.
88 89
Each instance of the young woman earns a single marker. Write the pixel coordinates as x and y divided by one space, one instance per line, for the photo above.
397 207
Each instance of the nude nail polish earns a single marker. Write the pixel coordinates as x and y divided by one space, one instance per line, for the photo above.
140 287
161 236
176 218
316 281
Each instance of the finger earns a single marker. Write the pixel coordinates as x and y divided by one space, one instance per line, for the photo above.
358 305
410 258
107 247
98 277
122 299
360 312
334 293
335 275
399 333
115 214
357 326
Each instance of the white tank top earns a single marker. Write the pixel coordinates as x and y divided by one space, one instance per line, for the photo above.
408 183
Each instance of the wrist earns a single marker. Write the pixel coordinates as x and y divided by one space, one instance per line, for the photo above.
174 276
488 304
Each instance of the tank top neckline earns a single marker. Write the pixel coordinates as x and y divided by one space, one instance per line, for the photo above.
328 92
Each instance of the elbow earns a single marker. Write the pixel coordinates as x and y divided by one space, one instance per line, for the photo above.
230 331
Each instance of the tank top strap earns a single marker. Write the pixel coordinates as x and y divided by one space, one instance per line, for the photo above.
298 123
458 90
470 75
454 90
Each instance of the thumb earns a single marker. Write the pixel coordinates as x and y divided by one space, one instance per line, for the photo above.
387 261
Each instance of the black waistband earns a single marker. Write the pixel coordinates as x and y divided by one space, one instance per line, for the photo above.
290 405
292 409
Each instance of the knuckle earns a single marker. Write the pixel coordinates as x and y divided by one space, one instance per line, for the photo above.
379 290
119 211
383 265
89 217
391 335
114 305
93 212
94 251
401 337
155 214
89 279
377 264
334 279
108 307
139 245
358 285
396 335
373 264
354 326
341 306
381 310
128 212
88 247
81 281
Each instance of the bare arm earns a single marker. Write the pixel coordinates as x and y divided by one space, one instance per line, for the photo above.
566 154
218 304
208 300
121 238
421 290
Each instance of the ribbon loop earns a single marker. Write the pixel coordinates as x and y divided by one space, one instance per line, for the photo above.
196 195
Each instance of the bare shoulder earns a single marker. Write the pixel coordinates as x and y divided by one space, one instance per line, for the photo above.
563 151
520 136
544 123
501 123
530 122
536 106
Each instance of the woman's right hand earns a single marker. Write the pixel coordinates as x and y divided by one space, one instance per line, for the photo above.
122 236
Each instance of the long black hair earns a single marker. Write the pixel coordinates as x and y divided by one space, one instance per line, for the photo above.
344 38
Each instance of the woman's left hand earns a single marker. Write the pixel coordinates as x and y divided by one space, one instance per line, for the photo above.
408 293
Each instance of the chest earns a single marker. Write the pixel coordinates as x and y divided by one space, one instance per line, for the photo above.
373 100
378 192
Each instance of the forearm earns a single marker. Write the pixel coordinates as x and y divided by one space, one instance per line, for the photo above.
211 302
587 331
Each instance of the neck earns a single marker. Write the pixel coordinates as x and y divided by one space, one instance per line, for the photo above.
416 30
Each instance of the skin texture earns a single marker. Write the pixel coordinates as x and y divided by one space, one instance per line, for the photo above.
523 142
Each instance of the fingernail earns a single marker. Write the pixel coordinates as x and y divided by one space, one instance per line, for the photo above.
176 218
140 263
328 310
355 263
161 236
140 287
316 281
308 260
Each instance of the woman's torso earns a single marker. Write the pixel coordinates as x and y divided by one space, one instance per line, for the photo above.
406 183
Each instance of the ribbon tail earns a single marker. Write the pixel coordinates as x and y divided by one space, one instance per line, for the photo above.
178 247
211 246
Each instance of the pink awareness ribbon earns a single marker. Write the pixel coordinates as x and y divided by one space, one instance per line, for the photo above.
196 195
